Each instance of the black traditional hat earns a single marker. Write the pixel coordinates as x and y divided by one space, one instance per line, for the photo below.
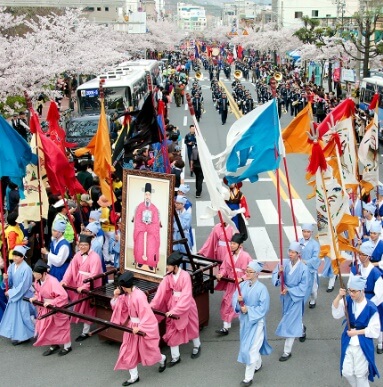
86 239
174 259
126 279
40 267
238 238
148 187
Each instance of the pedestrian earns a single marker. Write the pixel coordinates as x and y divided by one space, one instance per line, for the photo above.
252 306
377 244
190 141
53 330
223 105
13 234
196 168
131 308
60 251
241 260
295 276
17 322
185 218
357 360
63 214
85 264
374 285
310 257
174 296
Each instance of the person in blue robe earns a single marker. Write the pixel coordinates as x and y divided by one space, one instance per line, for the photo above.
60 251
183 190
296 281
252 306
357 360
374 285
377 245
367 219
17 323
310 256
185 219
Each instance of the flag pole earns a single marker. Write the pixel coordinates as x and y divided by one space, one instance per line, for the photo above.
280 227
31 112
3 247
290 198
192 113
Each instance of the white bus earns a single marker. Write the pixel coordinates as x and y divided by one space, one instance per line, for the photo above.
122 89
150 66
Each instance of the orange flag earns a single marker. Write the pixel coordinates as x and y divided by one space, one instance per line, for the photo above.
99 147
294 136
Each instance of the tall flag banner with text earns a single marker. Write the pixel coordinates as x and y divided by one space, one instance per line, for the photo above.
99 146
60 173
29 207
253 145
369 152
15 154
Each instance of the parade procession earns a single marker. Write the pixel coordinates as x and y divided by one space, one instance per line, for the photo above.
208 208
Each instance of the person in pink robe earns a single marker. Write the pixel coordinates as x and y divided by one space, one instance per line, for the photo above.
241 260
146 232
215 245
174 296
55 329
131 308
86 263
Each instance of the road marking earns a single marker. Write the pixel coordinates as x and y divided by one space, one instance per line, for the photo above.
268 211
185 120
264 249
200 210
290 233
282 192
301 212
186 106
294 193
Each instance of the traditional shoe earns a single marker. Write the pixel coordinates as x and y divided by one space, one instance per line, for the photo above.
51 350
244 383
173 362
379 351
302 339
131 381
65 351
312 306
285 357
196 352
222 331
329 290
255 371
82 337
162 367
18 342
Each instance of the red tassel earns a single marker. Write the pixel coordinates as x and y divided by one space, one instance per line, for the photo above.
374 102
317 159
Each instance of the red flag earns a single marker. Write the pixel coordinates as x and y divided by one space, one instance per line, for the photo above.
374 102
56 133
61 174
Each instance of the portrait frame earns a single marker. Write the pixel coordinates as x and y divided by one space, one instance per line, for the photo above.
144 222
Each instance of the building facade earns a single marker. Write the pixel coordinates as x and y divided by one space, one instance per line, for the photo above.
191 17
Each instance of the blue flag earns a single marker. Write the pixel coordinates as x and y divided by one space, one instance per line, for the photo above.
254 145
196 50
15 153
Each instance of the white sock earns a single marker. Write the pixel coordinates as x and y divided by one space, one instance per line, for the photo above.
67 345
196 342
86 329
133 373
163 358
289 342
175 351
226 325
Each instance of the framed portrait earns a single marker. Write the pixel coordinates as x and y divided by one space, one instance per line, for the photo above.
147 218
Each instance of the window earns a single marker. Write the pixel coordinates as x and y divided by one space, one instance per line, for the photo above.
98 8
298 15
314 13
106 9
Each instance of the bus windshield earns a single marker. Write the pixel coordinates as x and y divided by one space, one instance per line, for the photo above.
116 99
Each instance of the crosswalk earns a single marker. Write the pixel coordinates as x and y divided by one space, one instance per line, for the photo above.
263 239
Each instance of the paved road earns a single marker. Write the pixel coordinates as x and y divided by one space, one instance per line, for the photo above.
314 363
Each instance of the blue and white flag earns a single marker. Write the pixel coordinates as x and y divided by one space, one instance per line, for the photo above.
253 145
